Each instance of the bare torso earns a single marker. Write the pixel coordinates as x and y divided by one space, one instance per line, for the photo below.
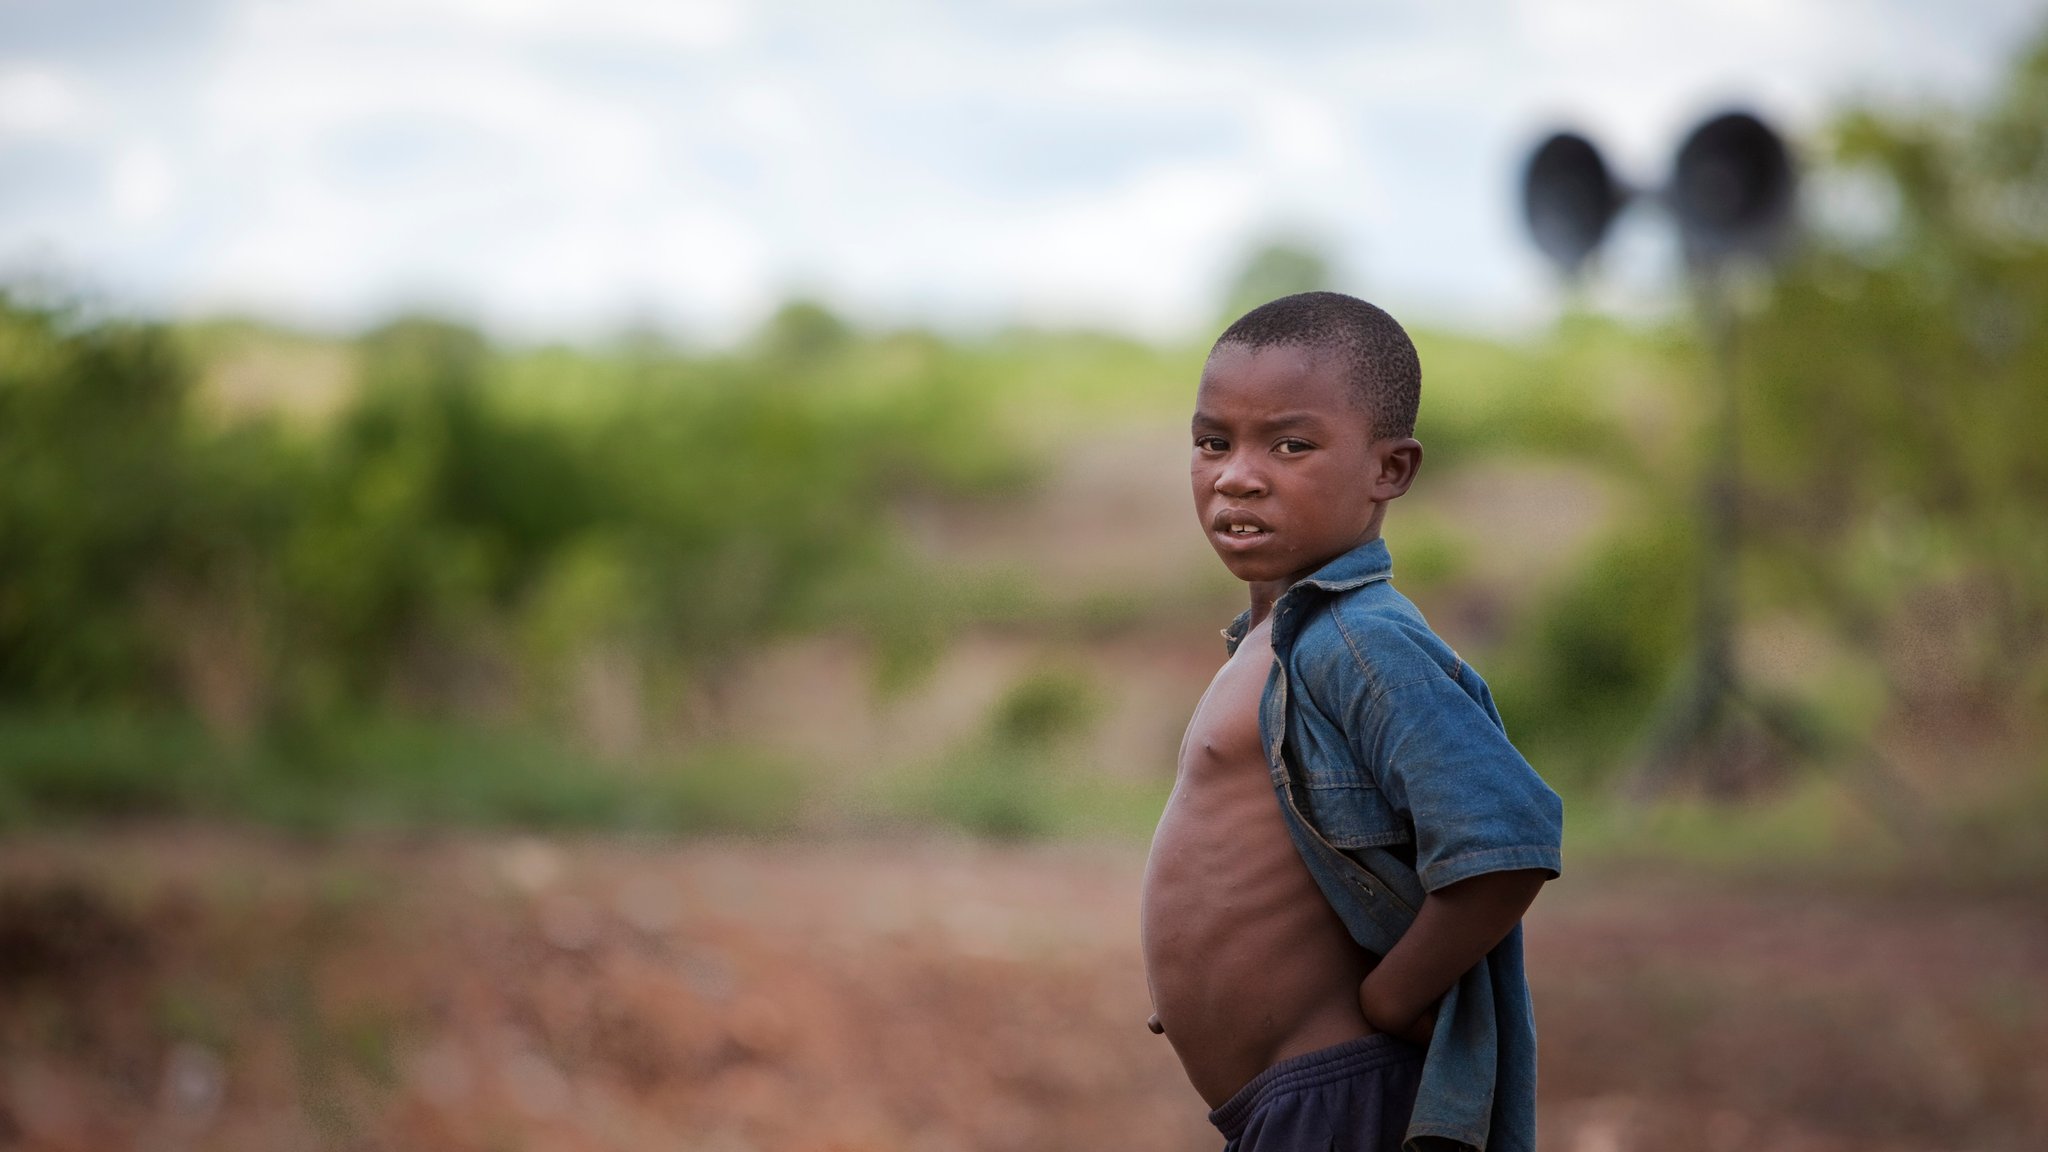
1248 964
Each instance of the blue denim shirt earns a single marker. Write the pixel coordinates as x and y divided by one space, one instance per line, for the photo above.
1395 777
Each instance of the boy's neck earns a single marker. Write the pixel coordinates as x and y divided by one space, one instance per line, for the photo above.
1266 593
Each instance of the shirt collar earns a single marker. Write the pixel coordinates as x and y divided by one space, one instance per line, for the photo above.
1364 564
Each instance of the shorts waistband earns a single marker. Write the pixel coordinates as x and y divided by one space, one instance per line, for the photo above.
1337 1062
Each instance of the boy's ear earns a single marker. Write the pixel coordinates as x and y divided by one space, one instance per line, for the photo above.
1395 461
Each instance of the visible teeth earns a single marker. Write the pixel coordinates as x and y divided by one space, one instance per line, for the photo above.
1243 529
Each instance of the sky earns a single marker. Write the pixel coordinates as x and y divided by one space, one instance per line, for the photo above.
567 168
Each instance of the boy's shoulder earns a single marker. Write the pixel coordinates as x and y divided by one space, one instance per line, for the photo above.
1371 632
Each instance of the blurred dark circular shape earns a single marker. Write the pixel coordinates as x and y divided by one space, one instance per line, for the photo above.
1731 188
1569 199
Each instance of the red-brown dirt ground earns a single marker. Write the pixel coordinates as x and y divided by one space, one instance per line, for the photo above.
205 989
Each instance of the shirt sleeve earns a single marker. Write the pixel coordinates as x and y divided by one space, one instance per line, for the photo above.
1442 761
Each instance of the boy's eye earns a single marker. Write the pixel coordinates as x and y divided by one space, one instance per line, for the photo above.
1292 447
1210 443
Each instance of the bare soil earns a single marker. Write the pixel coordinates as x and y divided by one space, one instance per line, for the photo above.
199 988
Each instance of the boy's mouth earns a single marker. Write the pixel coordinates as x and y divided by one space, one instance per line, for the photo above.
1237 528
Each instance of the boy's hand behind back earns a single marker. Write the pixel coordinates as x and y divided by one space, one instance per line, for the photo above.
1456 926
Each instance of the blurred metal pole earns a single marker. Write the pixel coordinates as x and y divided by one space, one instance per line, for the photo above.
1721 501
1693 734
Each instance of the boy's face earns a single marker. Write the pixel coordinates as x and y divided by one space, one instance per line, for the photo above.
1287 474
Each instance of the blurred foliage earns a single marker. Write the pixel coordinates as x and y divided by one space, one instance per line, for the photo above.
1898 418
1276 268
1003 782
1043 708
1024 774
1576 396
435 550
375 773
1591 661
95 488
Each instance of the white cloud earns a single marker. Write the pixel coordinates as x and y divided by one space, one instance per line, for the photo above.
38 101
559 164
142 186
1147 252
694 25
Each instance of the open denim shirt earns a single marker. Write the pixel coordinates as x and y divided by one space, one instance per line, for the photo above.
1396 778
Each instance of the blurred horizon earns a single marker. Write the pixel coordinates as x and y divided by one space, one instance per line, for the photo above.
552 171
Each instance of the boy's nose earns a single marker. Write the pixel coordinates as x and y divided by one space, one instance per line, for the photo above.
1237 478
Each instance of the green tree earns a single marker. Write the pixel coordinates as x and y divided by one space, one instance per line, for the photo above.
1276 268
1897 413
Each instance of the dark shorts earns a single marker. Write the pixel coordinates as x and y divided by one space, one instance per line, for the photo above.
1352 1097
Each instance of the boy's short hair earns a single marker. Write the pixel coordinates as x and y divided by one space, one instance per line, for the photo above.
1385 373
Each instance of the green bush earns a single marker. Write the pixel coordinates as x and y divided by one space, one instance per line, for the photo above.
1576 684
374 773
1043 708
443 550
1018 776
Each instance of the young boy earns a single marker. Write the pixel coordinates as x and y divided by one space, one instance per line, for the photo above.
1332 906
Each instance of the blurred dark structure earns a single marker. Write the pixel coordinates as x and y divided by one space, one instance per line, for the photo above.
1731 195
1570 199
1732 191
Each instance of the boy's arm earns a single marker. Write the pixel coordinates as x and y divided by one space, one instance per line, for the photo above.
1487 828
1456 926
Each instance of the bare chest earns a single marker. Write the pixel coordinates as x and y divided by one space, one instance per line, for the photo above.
1222 826
1223 733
